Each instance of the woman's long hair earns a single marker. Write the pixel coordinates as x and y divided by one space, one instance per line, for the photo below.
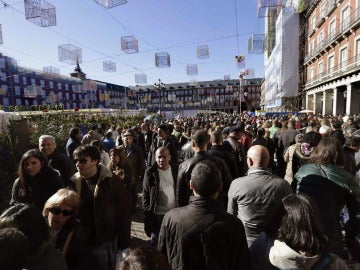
328 151
301 227
120 152
31 153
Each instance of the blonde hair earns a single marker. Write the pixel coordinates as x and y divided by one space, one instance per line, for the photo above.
66 196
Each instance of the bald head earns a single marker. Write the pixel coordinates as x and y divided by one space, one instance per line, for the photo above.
258 157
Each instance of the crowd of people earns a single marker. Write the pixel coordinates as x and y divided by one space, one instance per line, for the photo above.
217 191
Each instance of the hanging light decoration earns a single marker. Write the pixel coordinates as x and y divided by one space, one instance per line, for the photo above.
203 51
51 72
40 12
140 78
256 44
240 61
109 66
70 54
162 60
110 3
192 69
129 44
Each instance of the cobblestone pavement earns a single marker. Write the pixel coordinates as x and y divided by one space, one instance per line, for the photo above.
138 236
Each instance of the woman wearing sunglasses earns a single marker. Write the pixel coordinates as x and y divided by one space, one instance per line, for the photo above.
68 235
37 181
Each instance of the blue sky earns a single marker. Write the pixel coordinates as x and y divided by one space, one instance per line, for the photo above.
173 26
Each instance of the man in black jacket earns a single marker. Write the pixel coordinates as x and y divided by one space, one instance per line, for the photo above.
158 192
202 235
200 142
58 161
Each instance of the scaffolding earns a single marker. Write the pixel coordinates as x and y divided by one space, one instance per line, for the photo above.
40 12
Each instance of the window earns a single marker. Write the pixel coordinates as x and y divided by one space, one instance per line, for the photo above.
343 57
331 63
17 91
42 83
59 86
345 18
3 76
24 81
323 9
311 46
16 78
51 84
313 22
357 50
311 73
6 101
32 81
66 87
321 38
18 101
332 26
320 69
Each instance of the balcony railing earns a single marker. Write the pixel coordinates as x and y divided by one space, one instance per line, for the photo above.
345 26
345 67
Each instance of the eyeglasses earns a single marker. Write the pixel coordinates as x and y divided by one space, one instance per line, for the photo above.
81 160
57 211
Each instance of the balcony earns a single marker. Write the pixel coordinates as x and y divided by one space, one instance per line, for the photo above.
345 27
344 68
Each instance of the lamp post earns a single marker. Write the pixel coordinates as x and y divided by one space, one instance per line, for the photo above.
242 73
159 87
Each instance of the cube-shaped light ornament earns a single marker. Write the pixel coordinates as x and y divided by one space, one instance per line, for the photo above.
51 71
256 44
110 3
203 51
70 54
192 69
40 12
140 78
109 66
129 44
162 60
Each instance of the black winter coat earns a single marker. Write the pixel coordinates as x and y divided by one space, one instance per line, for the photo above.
183 191
203 236
149 195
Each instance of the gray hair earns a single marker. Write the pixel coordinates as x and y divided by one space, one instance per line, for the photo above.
44 137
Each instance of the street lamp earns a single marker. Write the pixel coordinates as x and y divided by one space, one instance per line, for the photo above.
242 73
159 87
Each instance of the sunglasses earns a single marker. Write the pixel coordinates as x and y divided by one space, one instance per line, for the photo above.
81 160
57 211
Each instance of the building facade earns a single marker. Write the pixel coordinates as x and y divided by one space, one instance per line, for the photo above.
332 58
23 89
219 95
